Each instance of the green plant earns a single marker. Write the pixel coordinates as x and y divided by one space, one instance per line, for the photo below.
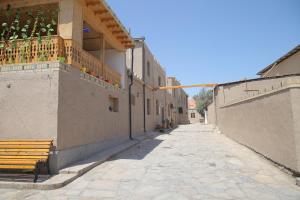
37 25
203 99
61 59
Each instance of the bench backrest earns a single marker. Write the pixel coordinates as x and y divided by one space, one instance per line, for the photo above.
25 149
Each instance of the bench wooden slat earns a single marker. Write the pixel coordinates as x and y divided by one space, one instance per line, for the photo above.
17 167
24 150
24 153
24 157
26 142
22 146
17 162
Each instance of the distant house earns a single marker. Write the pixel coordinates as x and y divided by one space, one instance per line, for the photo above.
194 115
285 65
178 104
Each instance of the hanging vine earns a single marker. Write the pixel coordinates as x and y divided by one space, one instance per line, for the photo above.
40 25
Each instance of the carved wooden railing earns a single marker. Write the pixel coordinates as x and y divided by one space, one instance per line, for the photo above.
31 51
111 75
80 58
53 49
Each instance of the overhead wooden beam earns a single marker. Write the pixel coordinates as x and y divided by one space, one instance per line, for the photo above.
112 26
107 19
129 46
122 37
209 85
93 3
101 12
117 32
126 42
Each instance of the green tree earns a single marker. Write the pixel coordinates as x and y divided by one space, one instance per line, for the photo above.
203 99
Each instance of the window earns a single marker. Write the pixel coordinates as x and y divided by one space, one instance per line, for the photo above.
180 110
148 68
113 104
171 106
132 100
148 107
157 107
159 81
193 115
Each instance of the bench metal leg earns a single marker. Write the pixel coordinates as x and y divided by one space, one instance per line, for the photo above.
48 167
36 172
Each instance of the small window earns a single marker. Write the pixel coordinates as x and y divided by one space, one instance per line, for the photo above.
157 107
159 81
113 104
193 115
148 68
148 107
171 106
180 110
132 100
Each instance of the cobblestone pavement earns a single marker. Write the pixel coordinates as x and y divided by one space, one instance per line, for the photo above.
192 162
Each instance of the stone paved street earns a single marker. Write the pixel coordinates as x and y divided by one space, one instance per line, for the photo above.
192 162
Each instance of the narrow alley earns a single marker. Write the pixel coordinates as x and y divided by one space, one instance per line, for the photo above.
191 162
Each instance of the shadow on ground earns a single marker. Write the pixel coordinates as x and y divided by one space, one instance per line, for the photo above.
141 150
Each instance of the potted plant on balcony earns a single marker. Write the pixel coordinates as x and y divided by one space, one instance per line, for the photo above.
93 73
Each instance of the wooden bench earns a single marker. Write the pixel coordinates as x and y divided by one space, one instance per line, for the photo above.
31 155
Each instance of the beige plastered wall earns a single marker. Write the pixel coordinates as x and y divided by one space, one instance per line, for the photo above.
137 107
197 118
56 102
28 102
266 122
83 112
211 115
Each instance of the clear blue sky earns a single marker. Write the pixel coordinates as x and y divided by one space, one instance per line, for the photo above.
203 41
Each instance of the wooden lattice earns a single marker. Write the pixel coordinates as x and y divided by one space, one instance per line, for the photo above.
53 49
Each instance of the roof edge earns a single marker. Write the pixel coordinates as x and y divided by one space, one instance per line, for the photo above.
282 58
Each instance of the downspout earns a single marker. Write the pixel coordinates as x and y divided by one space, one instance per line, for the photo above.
144 85
130 88
143 78
215 104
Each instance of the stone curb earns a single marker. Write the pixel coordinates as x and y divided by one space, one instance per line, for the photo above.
70 174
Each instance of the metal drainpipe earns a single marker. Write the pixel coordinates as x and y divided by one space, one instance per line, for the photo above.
143 78
144 86
130 87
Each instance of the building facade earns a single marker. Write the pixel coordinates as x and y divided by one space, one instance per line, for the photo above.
67 79
69 83
160 108
178 103
194 115
149 75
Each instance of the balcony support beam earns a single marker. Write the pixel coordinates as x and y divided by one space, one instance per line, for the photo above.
70 23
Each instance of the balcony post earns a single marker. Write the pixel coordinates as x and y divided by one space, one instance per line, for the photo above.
102 55
70 20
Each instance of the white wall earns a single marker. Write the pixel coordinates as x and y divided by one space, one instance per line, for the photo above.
116 60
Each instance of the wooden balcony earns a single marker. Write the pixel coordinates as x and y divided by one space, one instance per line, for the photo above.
54 49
